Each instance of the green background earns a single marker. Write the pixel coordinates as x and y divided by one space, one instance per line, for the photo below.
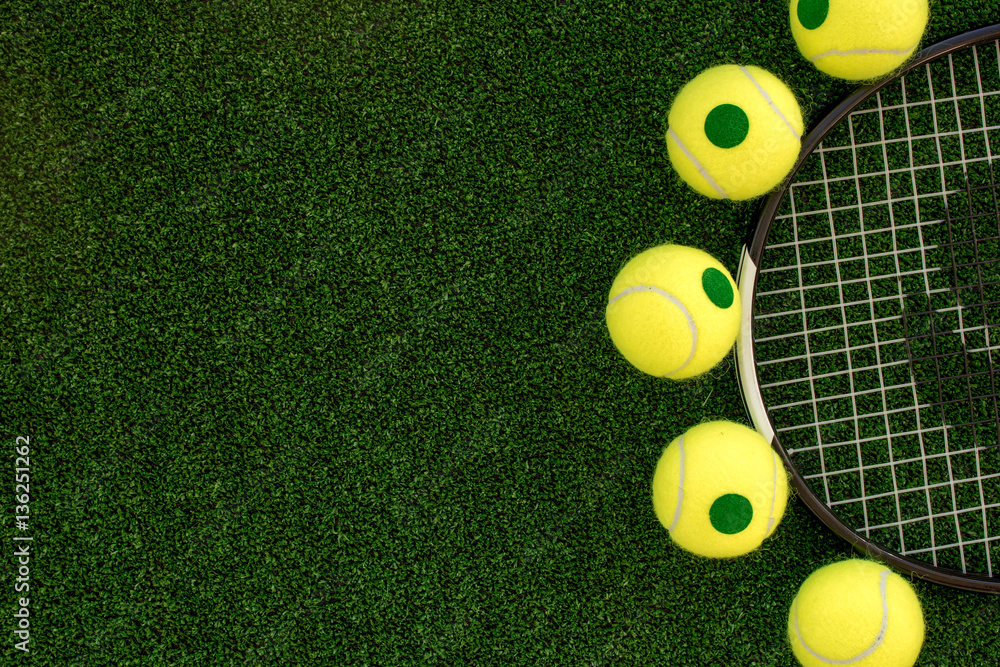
303 315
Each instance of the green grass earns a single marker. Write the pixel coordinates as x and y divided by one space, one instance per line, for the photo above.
303 314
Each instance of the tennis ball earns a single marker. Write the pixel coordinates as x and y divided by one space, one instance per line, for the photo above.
720 489
734 132
858 39
673 311
856 612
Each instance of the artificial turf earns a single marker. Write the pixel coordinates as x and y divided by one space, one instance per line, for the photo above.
303 315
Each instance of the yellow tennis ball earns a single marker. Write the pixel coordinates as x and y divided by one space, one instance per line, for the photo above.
856 612
734 132
858 39
720 489
673 311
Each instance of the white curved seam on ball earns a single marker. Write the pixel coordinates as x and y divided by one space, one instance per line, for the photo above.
865 52
879 638
677 302
697 165
774 494
770 102
680 487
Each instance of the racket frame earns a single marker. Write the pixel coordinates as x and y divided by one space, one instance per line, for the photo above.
746 363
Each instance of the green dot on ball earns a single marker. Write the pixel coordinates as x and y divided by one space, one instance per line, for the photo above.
812 13
727 125
731 513
717 287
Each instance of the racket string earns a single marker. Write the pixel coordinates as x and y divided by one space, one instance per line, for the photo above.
874 317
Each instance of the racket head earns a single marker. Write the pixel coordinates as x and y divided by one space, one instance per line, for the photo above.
865 304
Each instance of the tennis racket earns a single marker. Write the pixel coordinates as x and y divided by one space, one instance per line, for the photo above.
870 286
